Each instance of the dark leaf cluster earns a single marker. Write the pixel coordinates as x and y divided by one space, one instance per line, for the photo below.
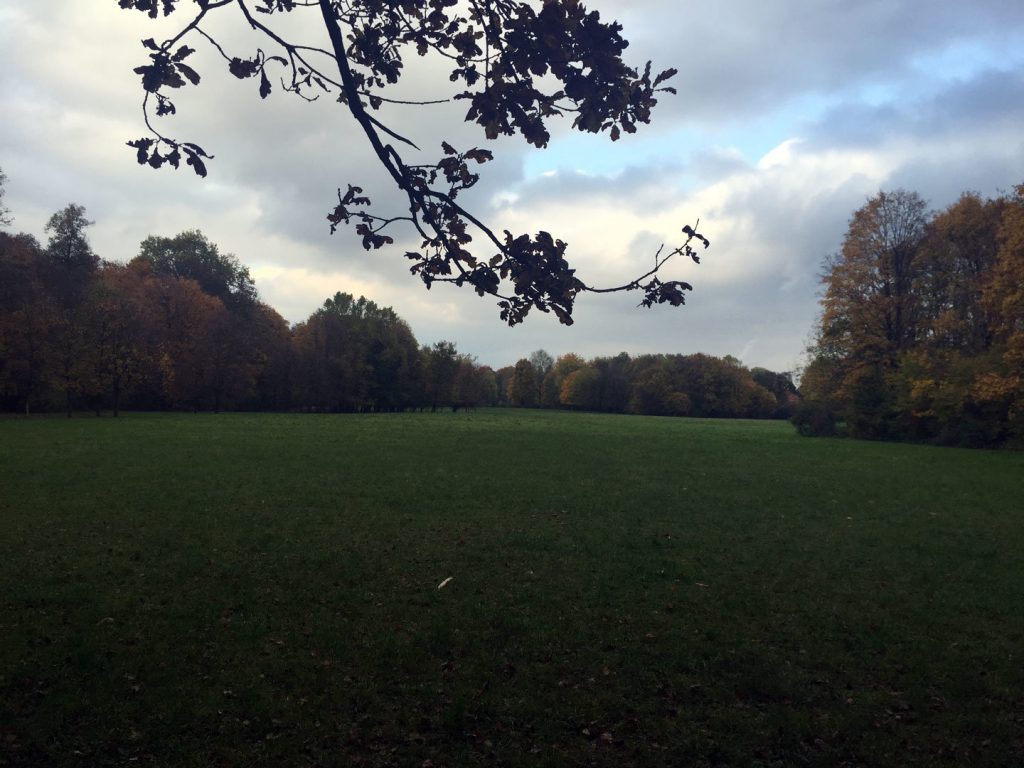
657 292
150 7
148 153
166 69
518 63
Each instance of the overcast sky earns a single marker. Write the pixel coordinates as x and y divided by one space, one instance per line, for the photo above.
789 116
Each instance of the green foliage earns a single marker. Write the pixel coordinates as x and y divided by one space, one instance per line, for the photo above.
653 395
191 256
781 385
353 355
441 367
242 590
814 419
522 388
581 389
68 244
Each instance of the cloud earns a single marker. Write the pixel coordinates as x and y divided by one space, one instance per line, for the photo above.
739 59
789 115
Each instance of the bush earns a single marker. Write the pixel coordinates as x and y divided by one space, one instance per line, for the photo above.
814 419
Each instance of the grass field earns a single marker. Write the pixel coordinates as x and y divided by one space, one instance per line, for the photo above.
239 590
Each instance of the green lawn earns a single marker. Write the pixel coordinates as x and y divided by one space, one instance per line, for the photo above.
237 590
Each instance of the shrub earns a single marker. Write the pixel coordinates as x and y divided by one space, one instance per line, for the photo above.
814 419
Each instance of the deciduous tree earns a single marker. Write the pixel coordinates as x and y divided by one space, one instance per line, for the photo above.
68 245
919 331
191 255
75 267
522 389
1004 297
442 366
542 363
652 395
953 265
581 389
515 64
28 316
114 331
870 307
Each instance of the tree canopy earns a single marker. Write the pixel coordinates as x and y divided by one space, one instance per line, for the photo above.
180 326
920 333
191 255
516 64
68 244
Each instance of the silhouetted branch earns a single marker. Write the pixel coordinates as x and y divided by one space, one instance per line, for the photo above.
562 42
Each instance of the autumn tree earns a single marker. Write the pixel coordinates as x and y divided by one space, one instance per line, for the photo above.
441 367
187 353
68 245
522 389
516 65
652 394
113 310
502 381
870 307
869 285
394 364
1004 298
551 384
489 385
718 387
916 339
75 266
28 317
581 389
953 266
268 338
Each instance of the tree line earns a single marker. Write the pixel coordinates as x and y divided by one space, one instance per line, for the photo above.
654 385
921 334
181 327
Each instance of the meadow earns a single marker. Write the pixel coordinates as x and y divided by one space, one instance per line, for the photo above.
263 590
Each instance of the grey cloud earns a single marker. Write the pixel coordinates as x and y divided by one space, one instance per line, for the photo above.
719 321
942 180
990 100
711 165
647 188
739 58
279 162
639 188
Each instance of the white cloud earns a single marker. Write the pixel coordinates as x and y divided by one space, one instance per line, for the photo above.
838 100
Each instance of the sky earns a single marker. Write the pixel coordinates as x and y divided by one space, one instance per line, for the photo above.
789 116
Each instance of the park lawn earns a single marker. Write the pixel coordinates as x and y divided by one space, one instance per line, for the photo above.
239 590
